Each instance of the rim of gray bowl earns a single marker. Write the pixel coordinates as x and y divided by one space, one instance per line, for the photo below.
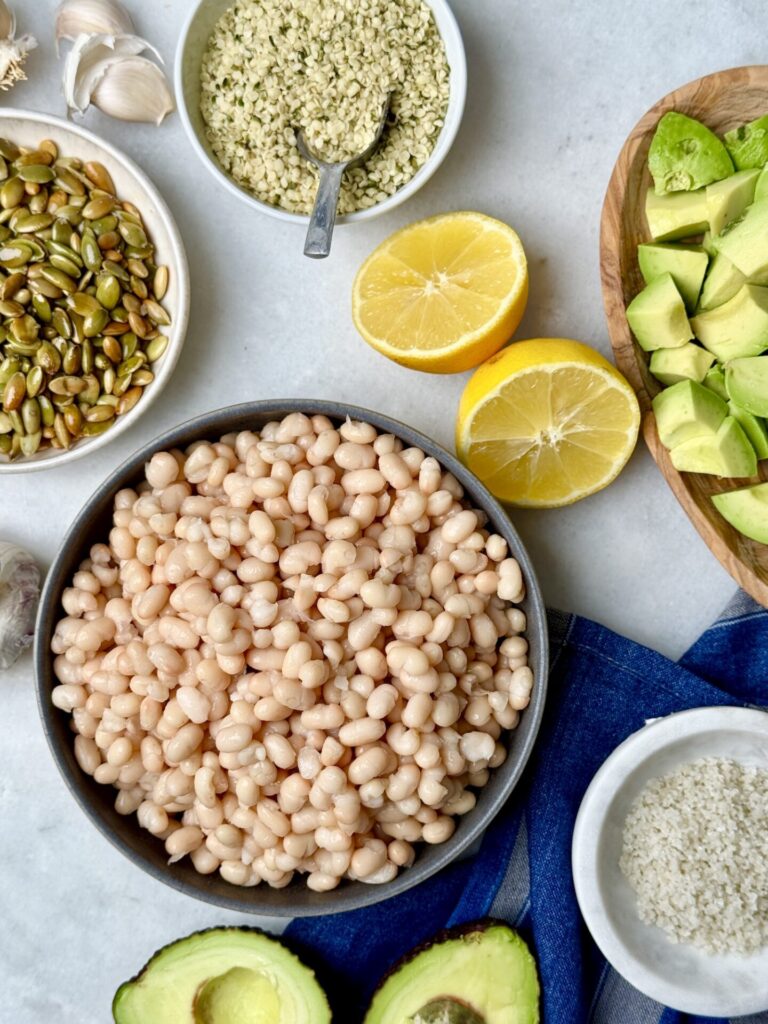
147 852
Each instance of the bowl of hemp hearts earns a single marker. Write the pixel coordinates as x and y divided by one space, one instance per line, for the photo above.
251 73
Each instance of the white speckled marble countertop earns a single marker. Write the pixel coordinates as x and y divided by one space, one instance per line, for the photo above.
553 90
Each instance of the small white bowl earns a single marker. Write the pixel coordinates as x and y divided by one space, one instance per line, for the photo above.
677 975
189 54
28 128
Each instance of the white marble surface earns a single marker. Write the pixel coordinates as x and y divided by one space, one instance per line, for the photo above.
553 90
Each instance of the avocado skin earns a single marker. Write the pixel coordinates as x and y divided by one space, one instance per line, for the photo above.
291 947
459 931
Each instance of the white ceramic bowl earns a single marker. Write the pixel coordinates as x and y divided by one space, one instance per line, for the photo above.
28 128
676 975
189 54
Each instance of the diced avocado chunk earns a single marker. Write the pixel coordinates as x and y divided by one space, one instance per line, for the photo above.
725 453
657 316
748 144
746 510
686 263
761 188
746 381
753 426
482 975
714 379
223 976
745 242
729 198
687 410
685 155
679 215
691 362
707 243
738 328
722 282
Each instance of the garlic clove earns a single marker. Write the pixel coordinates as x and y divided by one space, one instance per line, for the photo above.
7 21
88 61
134 89
13 53
19 594
89 17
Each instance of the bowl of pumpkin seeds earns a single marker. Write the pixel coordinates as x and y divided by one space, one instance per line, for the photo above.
94 292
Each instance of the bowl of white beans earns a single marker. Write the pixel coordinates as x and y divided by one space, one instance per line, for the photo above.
291 658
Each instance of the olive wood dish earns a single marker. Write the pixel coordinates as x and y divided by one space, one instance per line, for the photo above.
722 101
97 801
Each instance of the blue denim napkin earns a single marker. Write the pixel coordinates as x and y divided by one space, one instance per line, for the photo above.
602 688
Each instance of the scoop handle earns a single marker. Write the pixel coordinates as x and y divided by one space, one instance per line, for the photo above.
320 232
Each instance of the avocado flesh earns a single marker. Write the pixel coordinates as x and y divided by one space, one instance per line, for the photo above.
685 155
746 510
722 282
714 379
687 411
686 263
728 199
724 453
744 241
488 971
691 362
746 381
679 215
748 144
738 328
707 244
761 188
657 316
753 426
223 976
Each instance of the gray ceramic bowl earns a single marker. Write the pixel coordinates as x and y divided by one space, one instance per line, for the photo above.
296 900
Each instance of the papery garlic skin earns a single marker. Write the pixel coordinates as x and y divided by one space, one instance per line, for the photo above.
89 17
7 21
134 89
89 60
19 594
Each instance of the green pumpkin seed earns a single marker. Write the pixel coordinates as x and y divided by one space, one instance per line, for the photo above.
160 283
95 322
156 348
30 415
62 323
11 193
71 362
129 344
156 313
86 354
10 308
92 389
106 226
61 230
6 444
122 384
68 182
66 386
9 150
18 254
65 264
100 176
17 421
5 423
42 308
59 279
38 203
108 379
63 436
108 291
83 304
133 234
24 328
46 410
48 358
30 443
14 392
73 420
22 348
89 250
92 429
40 174
99 414
33 223
35 381
113 350
142 377
129 365
138 268
110 400
138 287
128 401
99 207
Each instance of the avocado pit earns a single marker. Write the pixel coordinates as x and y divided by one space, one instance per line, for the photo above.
447 1010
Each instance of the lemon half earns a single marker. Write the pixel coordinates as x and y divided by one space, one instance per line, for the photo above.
547 422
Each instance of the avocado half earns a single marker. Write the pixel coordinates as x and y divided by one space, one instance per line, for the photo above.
223 976
481 973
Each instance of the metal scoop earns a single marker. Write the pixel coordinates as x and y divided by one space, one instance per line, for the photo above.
321 223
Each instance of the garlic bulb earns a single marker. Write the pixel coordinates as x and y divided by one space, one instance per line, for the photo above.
13 52
90 59
134 89
86 17
19 594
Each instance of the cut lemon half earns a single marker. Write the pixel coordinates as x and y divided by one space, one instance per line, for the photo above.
443 294
547 422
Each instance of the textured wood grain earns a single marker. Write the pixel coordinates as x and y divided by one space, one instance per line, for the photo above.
721 101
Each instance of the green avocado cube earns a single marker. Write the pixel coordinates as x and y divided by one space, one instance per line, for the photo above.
748 144
714 379
738 328
680 215
761 188
746 510
657 316
746 381
725 453
753 426
690 362
686 411
707 243
745 241
686 263
685 154
729 198
722 282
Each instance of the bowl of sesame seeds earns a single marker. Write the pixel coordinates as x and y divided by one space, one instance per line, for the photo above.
251 73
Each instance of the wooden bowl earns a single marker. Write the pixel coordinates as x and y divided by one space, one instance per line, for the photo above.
721 101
